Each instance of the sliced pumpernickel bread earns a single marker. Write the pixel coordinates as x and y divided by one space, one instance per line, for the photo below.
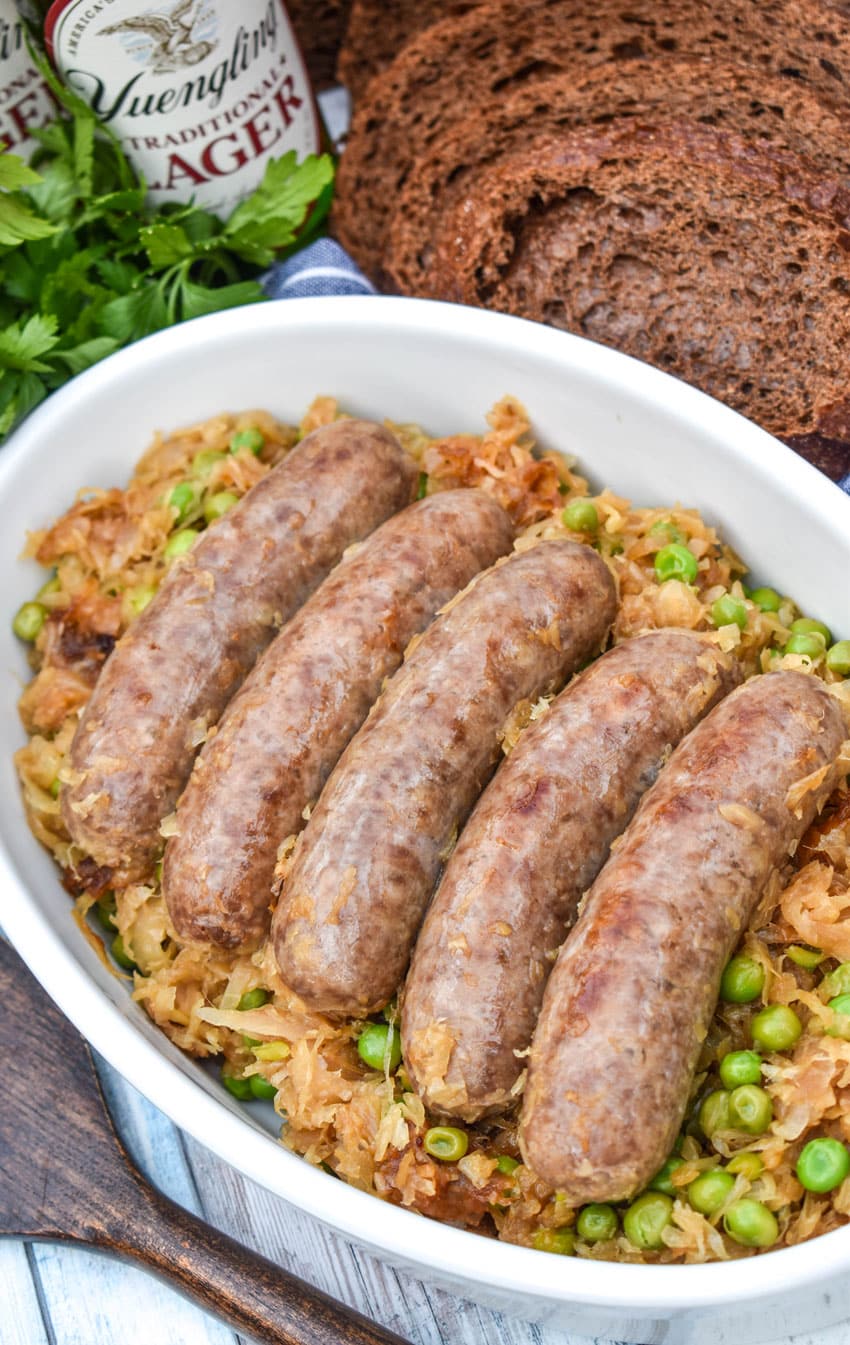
461 65
725 264
762 107
377 31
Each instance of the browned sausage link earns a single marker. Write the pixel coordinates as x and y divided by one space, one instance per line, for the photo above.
174 671
370 855
538 837
631 997
283 731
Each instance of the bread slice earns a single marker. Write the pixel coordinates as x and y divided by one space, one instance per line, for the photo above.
723 263
320 27
457 67
378 31
763 108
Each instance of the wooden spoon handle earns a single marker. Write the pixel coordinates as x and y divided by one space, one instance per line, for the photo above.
254 1296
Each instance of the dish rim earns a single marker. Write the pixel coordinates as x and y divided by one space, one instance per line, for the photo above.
397 1234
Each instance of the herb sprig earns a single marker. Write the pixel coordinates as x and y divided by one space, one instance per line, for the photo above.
87 268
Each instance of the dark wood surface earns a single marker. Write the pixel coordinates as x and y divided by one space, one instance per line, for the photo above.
65 1176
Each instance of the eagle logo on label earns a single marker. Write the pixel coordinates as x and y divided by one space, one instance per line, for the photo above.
168 40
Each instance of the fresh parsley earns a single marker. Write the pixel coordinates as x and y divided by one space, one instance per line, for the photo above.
88 268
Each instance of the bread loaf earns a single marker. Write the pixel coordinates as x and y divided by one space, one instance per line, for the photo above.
763 108
459 66
378 31
725 264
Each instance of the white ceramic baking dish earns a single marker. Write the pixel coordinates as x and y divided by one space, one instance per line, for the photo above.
642 432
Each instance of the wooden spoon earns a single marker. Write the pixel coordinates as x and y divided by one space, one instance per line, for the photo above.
65 1176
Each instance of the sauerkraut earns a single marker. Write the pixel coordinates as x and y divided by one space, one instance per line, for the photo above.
106 556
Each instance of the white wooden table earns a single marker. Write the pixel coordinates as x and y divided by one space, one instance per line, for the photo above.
55 1295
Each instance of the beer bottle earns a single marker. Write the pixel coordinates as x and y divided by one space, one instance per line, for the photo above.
25 100
200 93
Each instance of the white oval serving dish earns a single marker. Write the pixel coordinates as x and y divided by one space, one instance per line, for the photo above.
640 431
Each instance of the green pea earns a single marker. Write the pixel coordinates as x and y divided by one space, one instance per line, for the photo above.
837 982
261 1088
750 1109
597 1223
122 957
218 504
250 438
662 1179
422 488
254 999
55 787
812 646
240 1088
580 516
709 1191
806 625
742 980
180 542
775 1028
808 958
840 1005
767 599
729 611
203 462
506 1164
676 562
714 1113
105 908
838 658
751 1223
139 597
747 1163
668 527
446 1143
823 1165
379 1044
28 620
561 1241
646 1218
740 1067
183 498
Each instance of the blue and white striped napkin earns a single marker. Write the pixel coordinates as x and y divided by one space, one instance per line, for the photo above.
326 268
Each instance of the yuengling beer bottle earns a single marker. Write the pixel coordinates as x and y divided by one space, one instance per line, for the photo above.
201 93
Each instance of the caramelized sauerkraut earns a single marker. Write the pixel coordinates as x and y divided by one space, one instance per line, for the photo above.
107 556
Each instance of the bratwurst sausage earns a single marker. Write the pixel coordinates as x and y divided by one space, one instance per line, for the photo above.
631 997
283 731
176 668
366 863
537 838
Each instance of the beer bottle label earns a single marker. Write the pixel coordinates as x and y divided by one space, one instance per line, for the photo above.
25 100
201 93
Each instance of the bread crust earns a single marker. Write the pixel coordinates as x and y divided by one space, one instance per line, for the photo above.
459 66
721 262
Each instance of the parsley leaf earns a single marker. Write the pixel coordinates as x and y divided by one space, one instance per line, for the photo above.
20 347
88 267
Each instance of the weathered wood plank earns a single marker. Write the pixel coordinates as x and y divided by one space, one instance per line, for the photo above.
22 1322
